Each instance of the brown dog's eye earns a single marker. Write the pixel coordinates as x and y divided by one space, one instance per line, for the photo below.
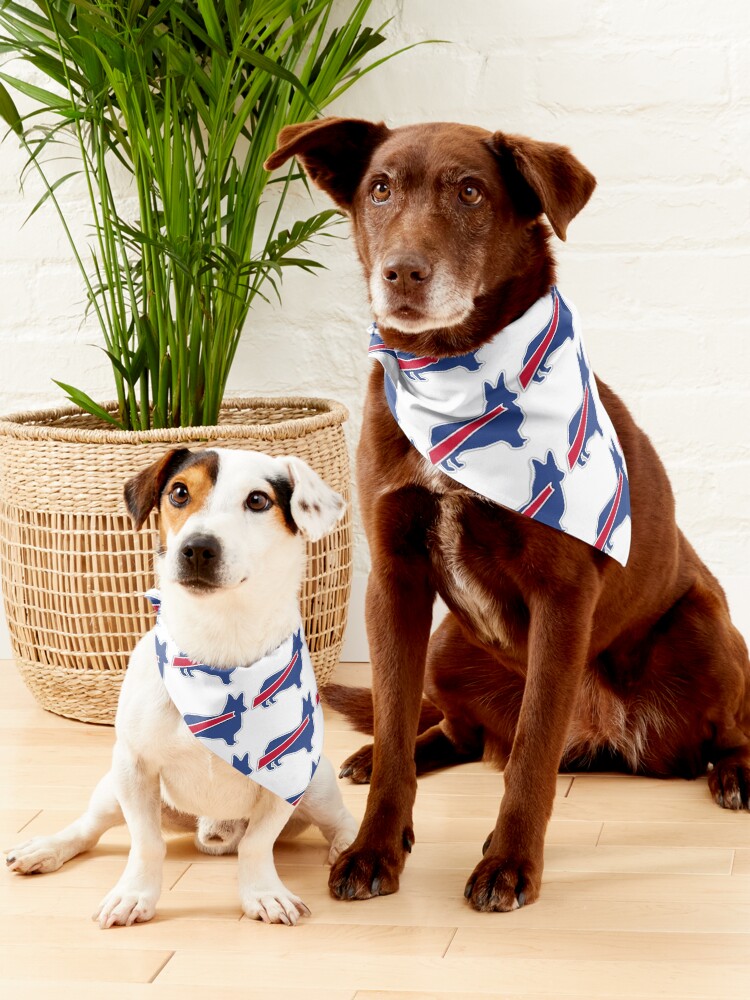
179 495
380 192
258 501
470 195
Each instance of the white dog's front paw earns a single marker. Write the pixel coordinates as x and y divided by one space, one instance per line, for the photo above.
273 906
39 855
126 905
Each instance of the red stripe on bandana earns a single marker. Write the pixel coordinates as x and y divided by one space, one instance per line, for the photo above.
529 369
539 501
457 438
577 446
413 364
200 727
265 695
604 533
269 757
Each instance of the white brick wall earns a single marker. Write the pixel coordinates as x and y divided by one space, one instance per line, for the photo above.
654 97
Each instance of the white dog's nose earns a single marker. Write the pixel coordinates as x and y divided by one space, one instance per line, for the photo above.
200 551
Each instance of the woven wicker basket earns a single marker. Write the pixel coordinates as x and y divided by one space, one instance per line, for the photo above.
74 571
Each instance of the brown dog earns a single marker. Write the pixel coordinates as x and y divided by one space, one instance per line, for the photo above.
553 652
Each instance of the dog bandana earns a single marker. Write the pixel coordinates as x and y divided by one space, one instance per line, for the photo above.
520 422
264 719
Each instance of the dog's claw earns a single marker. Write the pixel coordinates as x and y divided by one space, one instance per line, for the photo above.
345 772
375 887
408 840
502 885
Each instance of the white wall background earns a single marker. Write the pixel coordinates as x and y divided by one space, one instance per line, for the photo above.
653 96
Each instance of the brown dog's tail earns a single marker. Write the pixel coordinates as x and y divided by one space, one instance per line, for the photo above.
355 704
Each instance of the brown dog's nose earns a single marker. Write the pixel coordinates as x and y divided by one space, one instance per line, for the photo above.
408 269
199 551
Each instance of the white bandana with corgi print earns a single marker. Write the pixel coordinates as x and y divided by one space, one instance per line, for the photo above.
263 719
520 422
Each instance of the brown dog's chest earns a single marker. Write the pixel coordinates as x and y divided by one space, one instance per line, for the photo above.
470 547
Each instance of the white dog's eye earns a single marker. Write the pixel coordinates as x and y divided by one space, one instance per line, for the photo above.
179 495
258 500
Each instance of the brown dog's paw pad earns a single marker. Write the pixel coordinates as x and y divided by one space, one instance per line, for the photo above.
729 782
358 767
498 885
362 874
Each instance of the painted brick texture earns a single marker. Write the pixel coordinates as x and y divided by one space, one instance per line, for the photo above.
654 97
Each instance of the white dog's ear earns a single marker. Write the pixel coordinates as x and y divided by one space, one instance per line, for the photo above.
314 506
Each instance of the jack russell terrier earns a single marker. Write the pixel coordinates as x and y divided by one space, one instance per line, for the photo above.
225 673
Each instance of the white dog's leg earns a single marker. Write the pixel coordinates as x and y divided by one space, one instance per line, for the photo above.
262 893
138 790
323 806
47 854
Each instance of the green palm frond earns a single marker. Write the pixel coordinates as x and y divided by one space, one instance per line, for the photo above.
188 96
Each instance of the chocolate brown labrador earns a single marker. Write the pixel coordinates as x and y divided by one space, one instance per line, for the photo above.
553 654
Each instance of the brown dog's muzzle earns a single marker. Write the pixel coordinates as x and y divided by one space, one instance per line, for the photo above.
405 272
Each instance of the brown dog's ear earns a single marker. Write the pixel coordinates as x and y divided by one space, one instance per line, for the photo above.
142 492
543 177
333 151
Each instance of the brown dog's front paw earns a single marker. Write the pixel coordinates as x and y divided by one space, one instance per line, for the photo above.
361 873
729 782
358 767
501 884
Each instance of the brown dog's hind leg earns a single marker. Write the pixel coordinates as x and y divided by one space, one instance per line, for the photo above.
434 751
457 738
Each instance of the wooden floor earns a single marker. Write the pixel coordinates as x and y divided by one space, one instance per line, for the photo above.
646 894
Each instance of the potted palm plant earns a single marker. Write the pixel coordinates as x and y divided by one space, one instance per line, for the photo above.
185 99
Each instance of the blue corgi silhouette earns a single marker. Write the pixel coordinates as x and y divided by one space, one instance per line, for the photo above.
298 739
161 655
224 726
547 503
242 764
289 676
224 675
617 508
416 368
500 420
536 360
584 423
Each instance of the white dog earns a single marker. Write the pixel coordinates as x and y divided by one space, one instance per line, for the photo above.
230 562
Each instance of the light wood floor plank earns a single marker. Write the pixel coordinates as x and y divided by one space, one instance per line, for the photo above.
93 870
125 965
522 975
409 995
729 833
79 990
564 943
623 797
169 933
12 821
741 862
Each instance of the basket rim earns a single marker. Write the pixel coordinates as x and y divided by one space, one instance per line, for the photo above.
30 424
